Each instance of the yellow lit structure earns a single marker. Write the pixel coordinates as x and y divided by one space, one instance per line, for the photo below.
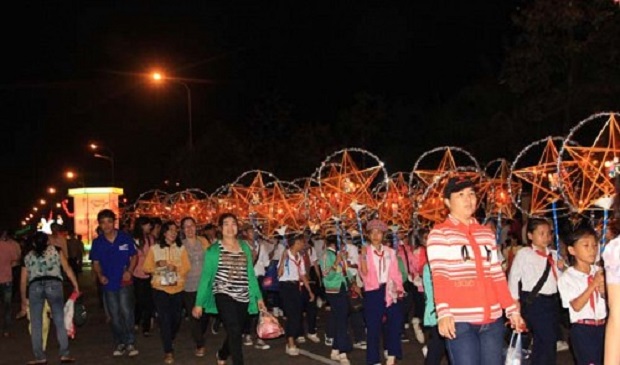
87 202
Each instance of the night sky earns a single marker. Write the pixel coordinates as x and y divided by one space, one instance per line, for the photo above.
76 74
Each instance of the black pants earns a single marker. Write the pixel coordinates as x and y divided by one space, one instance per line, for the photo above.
310 309
198 326
290 297
436 347
418 305
541 317
408 303
169 308
233 315
144 303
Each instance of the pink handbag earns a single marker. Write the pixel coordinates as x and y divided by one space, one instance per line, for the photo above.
268 326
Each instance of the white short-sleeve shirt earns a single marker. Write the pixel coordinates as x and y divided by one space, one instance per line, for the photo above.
294 267
573 283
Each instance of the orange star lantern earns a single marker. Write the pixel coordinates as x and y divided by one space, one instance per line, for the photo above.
494 190
586 177
279 207
345 183
397 206
151 204
539 179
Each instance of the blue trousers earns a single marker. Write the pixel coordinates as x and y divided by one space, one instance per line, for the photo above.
120 305
374 312
477 344
588 343
38 293
339 303
541 317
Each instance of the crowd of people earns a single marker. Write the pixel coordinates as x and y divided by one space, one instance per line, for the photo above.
460 287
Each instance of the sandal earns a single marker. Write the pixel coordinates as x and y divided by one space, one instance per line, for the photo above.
67 360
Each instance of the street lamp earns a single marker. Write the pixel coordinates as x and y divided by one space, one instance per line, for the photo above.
72 175
158 77
109 156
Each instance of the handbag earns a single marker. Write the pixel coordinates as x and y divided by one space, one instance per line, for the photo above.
270 281
514 354
268 326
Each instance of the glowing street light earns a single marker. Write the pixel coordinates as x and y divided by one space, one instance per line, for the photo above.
158 77
109 156
70 175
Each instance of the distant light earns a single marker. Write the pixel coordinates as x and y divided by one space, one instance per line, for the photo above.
70 174
157 76
35 209
58 205
51 190
23 223
31 215
42 202
93 146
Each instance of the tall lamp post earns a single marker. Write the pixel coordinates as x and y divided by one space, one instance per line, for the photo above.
109 156
159 78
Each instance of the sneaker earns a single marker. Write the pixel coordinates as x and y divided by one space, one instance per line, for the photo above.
391 360
200 352
169 358
314 337
292 351
343 359
301 339
561 346
424 351
119 350
329 341
335 355
132 351
319 302
247 340
215 326
261 345
361 345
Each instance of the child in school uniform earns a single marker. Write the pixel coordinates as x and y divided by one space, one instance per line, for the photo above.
536 269
582 288
383 286
292 275
435 349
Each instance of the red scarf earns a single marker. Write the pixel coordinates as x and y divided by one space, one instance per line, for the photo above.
380 256
594 294
550 261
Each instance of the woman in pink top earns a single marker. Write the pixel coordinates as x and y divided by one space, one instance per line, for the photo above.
141 280
383 285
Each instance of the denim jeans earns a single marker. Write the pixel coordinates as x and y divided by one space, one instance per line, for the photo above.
38 293
477 344
120 306
6 295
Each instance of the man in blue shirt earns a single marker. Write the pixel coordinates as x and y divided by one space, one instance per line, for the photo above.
113 255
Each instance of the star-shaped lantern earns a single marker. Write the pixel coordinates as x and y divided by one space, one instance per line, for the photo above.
346 183
589 177
494 190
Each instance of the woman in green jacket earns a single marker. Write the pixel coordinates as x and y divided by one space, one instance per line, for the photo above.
228 287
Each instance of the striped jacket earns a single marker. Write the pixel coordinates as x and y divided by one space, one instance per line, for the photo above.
468 280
